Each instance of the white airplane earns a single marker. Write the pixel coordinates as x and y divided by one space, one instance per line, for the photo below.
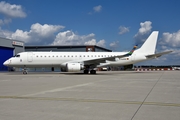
87 61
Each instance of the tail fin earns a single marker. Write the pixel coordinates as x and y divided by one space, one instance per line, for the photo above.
149 45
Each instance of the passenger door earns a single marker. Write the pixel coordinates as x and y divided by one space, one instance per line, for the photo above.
30 56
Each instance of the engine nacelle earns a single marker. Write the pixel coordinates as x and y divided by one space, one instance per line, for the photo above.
74 67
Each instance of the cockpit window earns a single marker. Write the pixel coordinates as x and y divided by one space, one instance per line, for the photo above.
17 56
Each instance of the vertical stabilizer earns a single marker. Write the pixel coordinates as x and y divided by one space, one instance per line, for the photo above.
149 45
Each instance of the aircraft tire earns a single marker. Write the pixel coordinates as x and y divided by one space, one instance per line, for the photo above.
86 71
93 71
25 72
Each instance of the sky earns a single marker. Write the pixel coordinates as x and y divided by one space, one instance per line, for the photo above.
113 24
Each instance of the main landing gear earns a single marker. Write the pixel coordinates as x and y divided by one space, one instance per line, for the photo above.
91 71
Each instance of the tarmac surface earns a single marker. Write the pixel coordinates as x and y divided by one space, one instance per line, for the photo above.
110 95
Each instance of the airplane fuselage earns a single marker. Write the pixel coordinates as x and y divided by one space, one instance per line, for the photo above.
59 59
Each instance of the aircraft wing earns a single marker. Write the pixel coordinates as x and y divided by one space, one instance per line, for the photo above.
158 54
102 60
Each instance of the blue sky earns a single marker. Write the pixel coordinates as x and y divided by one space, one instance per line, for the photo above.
113 24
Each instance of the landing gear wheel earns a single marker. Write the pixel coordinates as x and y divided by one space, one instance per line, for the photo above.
86 71
93 72
25 72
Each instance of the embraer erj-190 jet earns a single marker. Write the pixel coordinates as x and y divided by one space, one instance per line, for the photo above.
87 61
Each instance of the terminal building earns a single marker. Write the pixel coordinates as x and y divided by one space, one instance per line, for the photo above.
9 48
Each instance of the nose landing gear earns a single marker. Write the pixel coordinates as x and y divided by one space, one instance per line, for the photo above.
25 71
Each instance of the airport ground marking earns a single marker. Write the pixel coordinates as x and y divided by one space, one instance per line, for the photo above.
92 100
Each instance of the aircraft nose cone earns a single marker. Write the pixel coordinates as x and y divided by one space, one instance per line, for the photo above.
6 63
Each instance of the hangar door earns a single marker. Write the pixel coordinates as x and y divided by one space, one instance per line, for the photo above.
5 53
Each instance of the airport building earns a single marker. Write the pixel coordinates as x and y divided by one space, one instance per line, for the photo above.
9 48
76 48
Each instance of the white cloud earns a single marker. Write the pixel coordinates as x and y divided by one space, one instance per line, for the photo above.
44 30
39 34
97 8
114 45
123 30
12 10
143 32
93 42
21 35
101 43
50 35
70 38
90 42
5 21
145 27
5 33
1 22
171 39
67 38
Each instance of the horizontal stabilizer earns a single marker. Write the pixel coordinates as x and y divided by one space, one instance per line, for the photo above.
158 54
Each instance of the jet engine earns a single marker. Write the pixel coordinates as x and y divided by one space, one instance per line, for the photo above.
74 67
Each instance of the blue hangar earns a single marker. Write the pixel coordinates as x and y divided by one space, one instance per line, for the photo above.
9 48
